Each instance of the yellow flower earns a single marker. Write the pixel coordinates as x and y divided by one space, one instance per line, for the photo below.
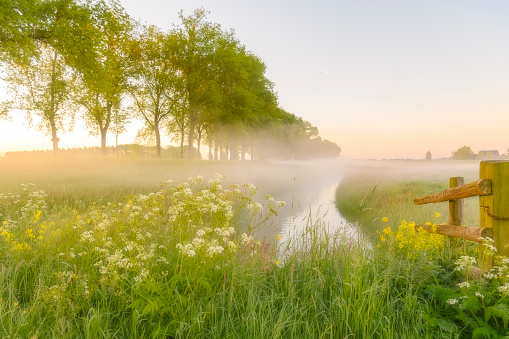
437 214
16 303
279 236
384 219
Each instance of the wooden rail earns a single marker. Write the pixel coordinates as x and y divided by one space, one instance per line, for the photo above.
493 192
479 187
468 233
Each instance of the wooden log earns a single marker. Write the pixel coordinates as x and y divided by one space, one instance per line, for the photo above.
456 205
467 233
480 187
494 209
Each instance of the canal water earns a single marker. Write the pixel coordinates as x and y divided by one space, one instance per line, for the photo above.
310 205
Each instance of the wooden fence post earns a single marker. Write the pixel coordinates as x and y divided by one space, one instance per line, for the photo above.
456 205
494 208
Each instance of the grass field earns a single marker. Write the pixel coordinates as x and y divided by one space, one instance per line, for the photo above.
375 190
109 249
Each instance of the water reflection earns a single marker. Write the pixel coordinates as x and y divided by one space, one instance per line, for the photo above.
316 209
309 195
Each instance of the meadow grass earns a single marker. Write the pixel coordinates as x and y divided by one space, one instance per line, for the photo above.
108 249
169 260
367 195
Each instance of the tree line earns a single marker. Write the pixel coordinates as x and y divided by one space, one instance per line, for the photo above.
195 82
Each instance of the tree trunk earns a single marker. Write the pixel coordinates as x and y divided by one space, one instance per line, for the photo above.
103 141
104 129
192 123
199 140
216 143
182 136
210 148
54 137
243 152
158 138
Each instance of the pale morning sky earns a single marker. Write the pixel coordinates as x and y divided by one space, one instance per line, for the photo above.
382 79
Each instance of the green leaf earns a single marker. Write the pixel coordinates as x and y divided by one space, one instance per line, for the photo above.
500 311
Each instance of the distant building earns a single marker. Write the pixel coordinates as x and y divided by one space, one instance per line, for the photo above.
490 154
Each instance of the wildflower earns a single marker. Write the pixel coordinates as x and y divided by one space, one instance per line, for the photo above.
437 214
504 289
280 203
385 219
478 294
452 301
463 262
464 284
279 236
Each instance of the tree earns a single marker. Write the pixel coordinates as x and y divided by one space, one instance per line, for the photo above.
103 75
19 28
177 126
40 87
193 49
463 153
428 155
154 87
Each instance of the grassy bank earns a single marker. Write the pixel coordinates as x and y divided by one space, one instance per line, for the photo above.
169 261
170 264
368 194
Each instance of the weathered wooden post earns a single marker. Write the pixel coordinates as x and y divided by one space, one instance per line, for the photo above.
494 208
456 205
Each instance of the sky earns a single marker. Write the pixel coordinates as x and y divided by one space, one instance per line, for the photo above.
382 79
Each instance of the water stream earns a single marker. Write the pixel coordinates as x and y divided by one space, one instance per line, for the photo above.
310 202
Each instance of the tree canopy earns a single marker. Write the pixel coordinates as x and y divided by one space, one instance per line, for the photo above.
197 81
463 153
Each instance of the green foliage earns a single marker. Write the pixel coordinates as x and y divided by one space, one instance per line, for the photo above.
463 153
116 269
40 87
196 81
367 195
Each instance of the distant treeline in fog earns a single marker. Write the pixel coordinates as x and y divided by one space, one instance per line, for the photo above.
70 59
315 148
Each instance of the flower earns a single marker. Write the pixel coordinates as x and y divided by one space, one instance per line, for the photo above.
385 219
464 284
452 301
279 236
437 214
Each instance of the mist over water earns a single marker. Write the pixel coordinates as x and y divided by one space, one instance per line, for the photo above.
309 193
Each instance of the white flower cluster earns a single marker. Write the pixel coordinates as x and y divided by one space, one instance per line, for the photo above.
255 207
186 250
36 201
463 262
452 301
464 284
488 244
504 289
